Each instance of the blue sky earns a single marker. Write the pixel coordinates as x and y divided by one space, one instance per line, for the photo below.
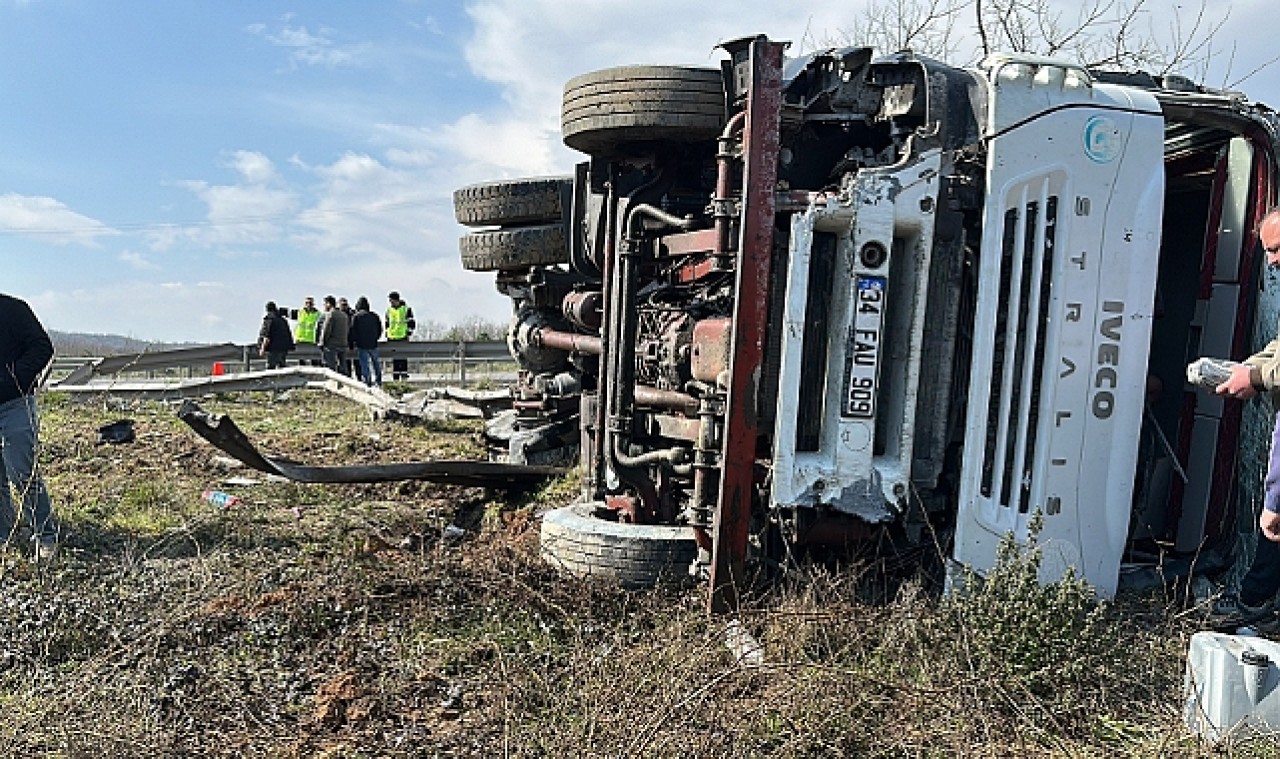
166 168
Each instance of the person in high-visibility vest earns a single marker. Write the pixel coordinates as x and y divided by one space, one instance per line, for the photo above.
308 330
400 326
308 322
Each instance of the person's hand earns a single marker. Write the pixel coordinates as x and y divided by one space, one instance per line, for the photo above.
1270 524
1239 385
262 352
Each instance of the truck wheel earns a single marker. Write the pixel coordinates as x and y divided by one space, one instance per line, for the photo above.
632 555
515 248
516 201
606 109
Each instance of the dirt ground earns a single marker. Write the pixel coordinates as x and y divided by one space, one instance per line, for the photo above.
414 619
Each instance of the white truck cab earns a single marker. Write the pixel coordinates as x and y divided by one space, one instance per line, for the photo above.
1066 296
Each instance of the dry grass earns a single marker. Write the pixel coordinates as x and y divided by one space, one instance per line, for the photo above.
169 628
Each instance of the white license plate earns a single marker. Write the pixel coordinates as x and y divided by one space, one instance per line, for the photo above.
864 347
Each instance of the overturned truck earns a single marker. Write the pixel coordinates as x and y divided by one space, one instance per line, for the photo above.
808 302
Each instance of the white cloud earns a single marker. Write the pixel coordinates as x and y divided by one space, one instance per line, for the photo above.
370 209
307 48
255 167
255 210
431 24
138 261
49 220
237 214
477 148
506 146
412 158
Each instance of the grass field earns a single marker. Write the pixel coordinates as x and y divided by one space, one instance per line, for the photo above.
413 619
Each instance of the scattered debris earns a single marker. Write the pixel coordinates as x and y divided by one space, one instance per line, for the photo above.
225 462
223 433
452 403
120 431
220 499
241 482
746 649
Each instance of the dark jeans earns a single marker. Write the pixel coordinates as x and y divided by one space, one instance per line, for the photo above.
399 366
275 359
1262 581
19 432
335 359
370 366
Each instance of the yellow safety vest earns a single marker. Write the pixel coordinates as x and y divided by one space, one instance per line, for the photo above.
398 322
307 321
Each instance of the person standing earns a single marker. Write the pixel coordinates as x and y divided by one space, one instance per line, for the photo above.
25 352
366 329
1260 373
350 364
274 339
333 336
308 317
400 326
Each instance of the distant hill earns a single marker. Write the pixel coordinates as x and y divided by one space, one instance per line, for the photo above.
82 344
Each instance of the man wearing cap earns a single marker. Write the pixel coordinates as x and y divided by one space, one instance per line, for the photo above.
400 326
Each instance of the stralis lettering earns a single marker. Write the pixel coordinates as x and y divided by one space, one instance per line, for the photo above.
1104 377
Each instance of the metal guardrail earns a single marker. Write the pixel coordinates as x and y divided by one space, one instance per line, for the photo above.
75 370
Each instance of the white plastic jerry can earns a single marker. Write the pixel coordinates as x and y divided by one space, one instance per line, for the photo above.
1232 686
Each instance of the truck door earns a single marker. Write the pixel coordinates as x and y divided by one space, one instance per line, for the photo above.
1067 271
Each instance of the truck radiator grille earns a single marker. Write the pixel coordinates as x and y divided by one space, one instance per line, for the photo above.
817 330
1013 414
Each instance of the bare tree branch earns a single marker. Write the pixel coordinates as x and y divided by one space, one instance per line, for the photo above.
1121 34
982 30
1266 64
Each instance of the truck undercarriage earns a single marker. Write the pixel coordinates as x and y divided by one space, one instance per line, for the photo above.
795 303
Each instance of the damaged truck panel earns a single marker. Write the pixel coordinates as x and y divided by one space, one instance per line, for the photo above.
873 247
1074 194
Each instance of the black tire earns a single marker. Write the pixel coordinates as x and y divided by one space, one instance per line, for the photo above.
631 555
515 201
609 109
515 248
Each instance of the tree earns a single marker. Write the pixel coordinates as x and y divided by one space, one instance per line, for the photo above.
1114 34
470 329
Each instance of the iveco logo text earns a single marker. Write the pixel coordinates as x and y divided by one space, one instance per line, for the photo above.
1104 378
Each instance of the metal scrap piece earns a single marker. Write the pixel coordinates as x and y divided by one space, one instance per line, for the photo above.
223 433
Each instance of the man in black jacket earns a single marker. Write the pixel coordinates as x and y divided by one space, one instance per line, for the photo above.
275 339
25 352
366 329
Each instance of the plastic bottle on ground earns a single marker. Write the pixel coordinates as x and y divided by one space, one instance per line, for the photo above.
220 499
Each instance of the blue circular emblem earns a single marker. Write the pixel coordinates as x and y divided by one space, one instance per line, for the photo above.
1102 139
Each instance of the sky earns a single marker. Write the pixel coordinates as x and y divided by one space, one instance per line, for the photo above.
166 168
